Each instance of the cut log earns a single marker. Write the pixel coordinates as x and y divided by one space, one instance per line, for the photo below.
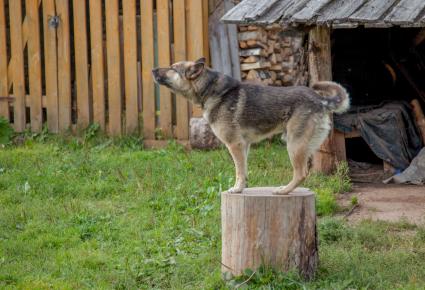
255 43
251 59
419 117
253 75
256 65
278 231
201 136
243 44
252 35
253 51
276 67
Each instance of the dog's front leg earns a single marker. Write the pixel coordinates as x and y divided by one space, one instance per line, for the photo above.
239 152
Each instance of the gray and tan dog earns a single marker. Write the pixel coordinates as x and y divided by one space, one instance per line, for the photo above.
241 114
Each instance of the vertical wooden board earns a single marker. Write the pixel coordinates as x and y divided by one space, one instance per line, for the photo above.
64 65
114 69
205 15
195 37
34 63
4 88
165 117
130 66
16 48
182 108
146 7
232 36
50 56
81 63
320 69
97 62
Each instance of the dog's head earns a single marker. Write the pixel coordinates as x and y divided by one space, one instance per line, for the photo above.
180 77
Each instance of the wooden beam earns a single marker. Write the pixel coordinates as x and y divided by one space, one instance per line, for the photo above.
320 69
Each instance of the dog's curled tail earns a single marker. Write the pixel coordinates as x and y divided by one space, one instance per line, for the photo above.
335 96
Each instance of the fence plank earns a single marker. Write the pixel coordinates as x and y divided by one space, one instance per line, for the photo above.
97 62
81 63
64 65
182 113
205 14
15 12
165 117
4 89
34 63
114 70
130 66
51 76
146 7
195 37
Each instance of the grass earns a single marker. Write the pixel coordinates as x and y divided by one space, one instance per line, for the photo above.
92 212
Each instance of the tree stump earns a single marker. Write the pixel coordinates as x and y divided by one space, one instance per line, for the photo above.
259 228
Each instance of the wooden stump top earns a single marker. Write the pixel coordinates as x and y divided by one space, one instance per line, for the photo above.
268 192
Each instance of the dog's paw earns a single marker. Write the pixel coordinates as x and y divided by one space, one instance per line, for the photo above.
235 189
281 190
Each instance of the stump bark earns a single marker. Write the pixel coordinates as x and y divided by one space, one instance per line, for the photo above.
279 231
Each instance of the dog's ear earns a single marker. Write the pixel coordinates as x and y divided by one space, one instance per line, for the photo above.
196 69
201 60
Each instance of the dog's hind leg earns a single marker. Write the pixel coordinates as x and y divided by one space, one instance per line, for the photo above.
305 135
239 152
300 163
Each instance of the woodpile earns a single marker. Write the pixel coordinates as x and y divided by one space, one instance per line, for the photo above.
270 57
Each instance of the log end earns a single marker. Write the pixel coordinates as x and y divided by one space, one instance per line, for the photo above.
268 192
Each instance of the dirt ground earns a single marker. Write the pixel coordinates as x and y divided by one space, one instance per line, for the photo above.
386 202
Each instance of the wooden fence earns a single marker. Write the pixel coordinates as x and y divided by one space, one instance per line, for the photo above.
71 63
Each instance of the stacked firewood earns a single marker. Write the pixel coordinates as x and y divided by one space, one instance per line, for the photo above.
270 57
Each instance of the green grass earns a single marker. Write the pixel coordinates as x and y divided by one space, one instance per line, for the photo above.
84 213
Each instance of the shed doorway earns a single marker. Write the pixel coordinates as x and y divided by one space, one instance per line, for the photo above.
379 66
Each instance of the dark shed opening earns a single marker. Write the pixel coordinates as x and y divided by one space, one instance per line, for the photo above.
377 66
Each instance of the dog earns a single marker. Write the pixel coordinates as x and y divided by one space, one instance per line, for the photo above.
241 114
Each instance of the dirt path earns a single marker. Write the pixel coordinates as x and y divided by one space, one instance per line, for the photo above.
387 202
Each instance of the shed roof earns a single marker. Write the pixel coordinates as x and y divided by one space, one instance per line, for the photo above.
338 13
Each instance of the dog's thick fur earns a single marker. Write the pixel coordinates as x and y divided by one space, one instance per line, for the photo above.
241 114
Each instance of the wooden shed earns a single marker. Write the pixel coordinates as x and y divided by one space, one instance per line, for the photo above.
375 48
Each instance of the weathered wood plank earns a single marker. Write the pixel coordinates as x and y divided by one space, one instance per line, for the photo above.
260 8
339 10
34 65
238 12
15 12
372 10
146 7
182 108
309 11
276 12
130 66
81 63
64 65
194 28
97 62
50 54
4 88
405 11
165 105
232 35
294 7
114 66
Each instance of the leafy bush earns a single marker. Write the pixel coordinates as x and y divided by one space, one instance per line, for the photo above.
6 131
